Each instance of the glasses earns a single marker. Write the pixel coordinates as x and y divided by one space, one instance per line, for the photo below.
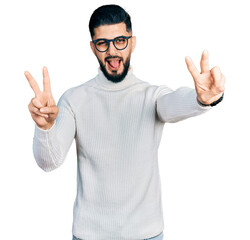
102 44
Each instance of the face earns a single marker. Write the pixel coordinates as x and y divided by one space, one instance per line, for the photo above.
114 63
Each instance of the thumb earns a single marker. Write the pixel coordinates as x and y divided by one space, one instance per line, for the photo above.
50 110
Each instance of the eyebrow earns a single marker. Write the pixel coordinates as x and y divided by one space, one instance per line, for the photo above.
110 38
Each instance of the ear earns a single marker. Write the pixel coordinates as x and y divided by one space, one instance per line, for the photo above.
133 43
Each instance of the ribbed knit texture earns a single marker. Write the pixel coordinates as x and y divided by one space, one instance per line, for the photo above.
117 129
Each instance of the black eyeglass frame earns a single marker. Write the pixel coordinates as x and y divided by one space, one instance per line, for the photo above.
111 40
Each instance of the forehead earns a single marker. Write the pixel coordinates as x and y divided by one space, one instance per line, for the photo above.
110 31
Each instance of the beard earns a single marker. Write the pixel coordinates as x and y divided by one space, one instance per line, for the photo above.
115 77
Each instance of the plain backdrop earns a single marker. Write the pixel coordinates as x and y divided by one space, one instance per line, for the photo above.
204 160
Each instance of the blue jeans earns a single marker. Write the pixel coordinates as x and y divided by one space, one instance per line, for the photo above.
157 237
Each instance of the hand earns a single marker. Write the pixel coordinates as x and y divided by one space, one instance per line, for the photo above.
42 107
209 84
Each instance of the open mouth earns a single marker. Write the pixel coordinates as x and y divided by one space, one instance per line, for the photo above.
114 64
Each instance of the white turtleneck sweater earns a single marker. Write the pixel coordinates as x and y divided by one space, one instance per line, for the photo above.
117 128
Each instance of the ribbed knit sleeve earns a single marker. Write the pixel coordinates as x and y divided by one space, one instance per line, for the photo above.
50 146
173 106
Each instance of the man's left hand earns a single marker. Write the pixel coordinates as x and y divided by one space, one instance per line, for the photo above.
209 84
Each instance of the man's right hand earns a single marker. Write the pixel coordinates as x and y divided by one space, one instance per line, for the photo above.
42 107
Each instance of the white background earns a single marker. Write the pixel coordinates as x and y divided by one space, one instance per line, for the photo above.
204 161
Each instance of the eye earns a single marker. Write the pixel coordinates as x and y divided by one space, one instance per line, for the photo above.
101 43
120 40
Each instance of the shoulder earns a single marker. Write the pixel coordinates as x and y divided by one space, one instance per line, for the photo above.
162 90
74 96
158 90
155 91
76 91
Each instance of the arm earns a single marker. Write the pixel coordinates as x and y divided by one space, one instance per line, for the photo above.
178 105
51 146
173 106
54 129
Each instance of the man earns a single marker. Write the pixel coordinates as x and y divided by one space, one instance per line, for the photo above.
117 121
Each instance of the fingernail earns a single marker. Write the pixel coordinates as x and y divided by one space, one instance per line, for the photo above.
42 110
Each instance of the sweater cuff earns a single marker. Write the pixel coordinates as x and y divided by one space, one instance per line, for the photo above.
199 106
40 133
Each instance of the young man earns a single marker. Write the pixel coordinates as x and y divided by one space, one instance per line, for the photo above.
117 121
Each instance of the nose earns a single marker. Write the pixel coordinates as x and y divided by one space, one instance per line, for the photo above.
112 50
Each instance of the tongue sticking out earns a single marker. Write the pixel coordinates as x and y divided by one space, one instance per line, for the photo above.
114 63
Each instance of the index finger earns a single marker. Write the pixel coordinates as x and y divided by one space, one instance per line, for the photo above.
46 80
32 83
191 68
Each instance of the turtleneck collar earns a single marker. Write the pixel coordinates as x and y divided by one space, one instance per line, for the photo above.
103 82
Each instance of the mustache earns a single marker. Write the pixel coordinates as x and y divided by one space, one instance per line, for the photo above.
110 57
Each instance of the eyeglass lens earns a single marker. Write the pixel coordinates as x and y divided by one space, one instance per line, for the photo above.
120 43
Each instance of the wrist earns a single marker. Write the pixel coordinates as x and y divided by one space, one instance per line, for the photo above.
47 126
211 104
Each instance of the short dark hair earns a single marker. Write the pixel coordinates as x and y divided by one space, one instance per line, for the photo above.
109 14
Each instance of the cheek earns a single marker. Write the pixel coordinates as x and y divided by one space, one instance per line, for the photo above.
125 56
100 57
127 52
